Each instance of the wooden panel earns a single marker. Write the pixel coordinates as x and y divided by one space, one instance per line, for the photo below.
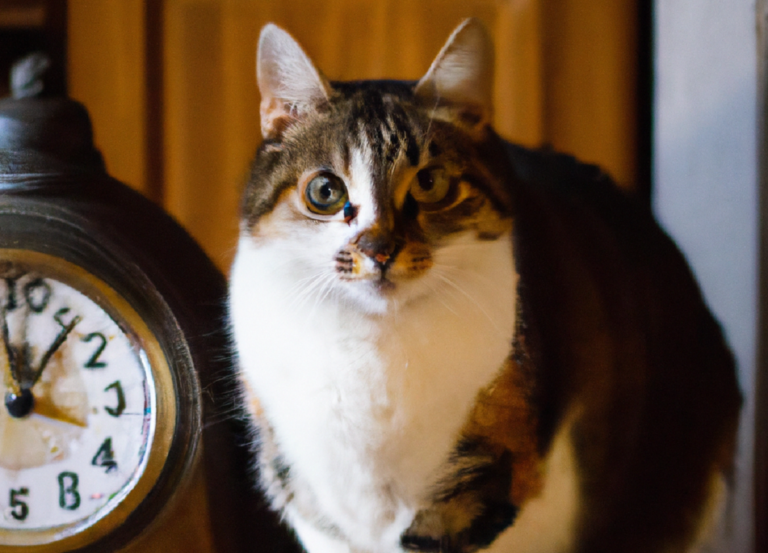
183 527
520 83
196 134
590 67
106 73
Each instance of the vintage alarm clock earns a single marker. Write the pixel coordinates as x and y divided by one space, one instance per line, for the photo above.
110 318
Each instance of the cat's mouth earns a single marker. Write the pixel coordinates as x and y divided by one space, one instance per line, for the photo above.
383 284
379 280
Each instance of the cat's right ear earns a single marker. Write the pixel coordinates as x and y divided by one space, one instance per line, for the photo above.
290 85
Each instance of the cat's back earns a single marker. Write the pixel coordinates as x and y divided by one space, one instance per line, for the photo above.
619 331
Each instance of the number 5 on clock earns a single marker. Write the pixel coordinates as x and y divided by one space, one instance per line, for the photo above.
19 509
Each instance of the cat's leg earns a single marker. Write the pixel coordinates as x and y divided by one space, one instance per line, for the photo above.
472 504
547 522
314 539
470 513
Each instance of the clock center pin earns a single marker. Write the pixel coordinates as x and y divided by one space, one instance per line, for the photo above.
19 405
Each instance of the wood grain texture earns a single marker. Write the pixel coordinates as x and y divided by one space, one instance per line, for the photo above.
183 527
590 68
106 73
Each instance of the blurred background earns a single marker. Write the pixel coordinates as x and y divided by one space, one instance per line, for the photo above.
667 95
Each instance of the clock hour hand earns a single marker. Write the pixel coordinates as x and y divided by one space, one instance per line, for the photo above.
61 337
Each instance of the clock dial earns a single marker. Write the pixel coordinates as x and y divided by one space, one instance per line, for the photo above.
79 406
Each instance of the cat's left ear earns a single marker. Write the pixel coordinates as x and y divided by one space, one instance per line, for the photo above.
290 85
461 77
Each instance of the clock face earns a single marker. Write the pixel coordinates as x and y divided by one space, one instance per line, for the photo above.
79 408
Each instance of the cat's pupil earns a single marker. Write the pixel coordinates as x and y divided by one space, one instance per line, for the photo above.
325 190
426 182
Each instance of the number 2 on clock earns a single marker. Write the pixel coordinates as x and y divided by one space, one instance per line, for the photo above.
93 362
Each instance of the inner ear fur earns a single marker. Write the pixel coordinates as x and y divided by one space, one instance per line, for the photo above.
461 76
291 87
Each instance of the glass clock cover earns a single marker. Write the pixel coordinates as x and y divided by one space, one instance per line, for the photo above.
82 441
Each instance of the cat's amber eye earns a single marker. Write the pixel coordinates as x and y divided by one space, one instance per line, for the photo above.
430 185
325 194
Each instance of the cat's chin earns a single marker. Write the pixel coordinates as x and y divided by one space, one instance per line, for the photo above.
379 296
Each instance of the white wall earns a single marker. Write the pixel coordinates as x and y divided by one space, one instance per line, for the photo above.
706 179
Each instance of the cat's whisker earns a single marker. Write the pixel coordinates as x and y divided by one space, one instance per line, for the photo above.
324 288
300 284
427 133
314 292
329 290
437 292
470 272
302 292
474 301
303 296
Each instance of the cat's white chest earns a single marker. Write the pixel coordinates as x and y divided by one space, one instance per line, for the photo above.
366 408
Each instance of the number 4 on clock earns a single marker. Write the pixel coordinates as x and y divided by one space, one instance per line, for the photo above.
105 457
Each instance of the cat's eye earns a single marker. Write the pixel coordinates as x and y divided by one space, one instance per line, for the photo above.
325 194
430 185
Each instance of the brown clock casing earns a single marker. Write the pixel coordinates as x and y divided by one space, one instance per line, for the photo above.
56 198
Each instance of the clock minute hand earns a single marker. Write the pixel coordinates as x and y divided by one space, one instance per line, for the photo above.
60 339
10 353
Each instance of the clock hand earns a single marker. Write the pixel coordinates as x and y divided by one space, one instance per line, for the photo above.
10 353
46 407
57 342
18 400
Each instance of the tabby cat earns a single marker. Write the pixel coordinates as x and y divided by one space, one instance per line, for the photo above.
449 343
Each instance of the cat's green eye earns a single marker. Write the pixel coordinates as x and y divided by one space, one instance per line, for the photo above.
325 194
430 186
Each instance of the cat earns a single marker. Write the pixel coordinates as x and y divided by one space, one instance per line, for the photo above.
450 343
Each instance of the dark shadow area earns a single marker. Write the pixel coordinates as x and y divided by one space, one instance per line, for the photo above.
28 26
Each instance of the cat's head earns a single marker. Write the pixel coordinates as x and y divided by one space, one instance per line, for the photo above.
374 187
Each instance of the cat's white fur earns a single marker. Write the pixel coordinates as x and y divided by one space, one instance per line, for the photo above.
367 392
545 524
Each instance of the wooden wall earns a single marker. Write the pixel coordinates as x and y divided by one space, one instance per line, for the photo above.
171 88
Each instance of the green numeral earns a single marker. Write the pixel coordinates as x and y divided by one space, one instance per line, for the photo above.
19 509
105 457
37 293
116 411
93 362
69 497
11 302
